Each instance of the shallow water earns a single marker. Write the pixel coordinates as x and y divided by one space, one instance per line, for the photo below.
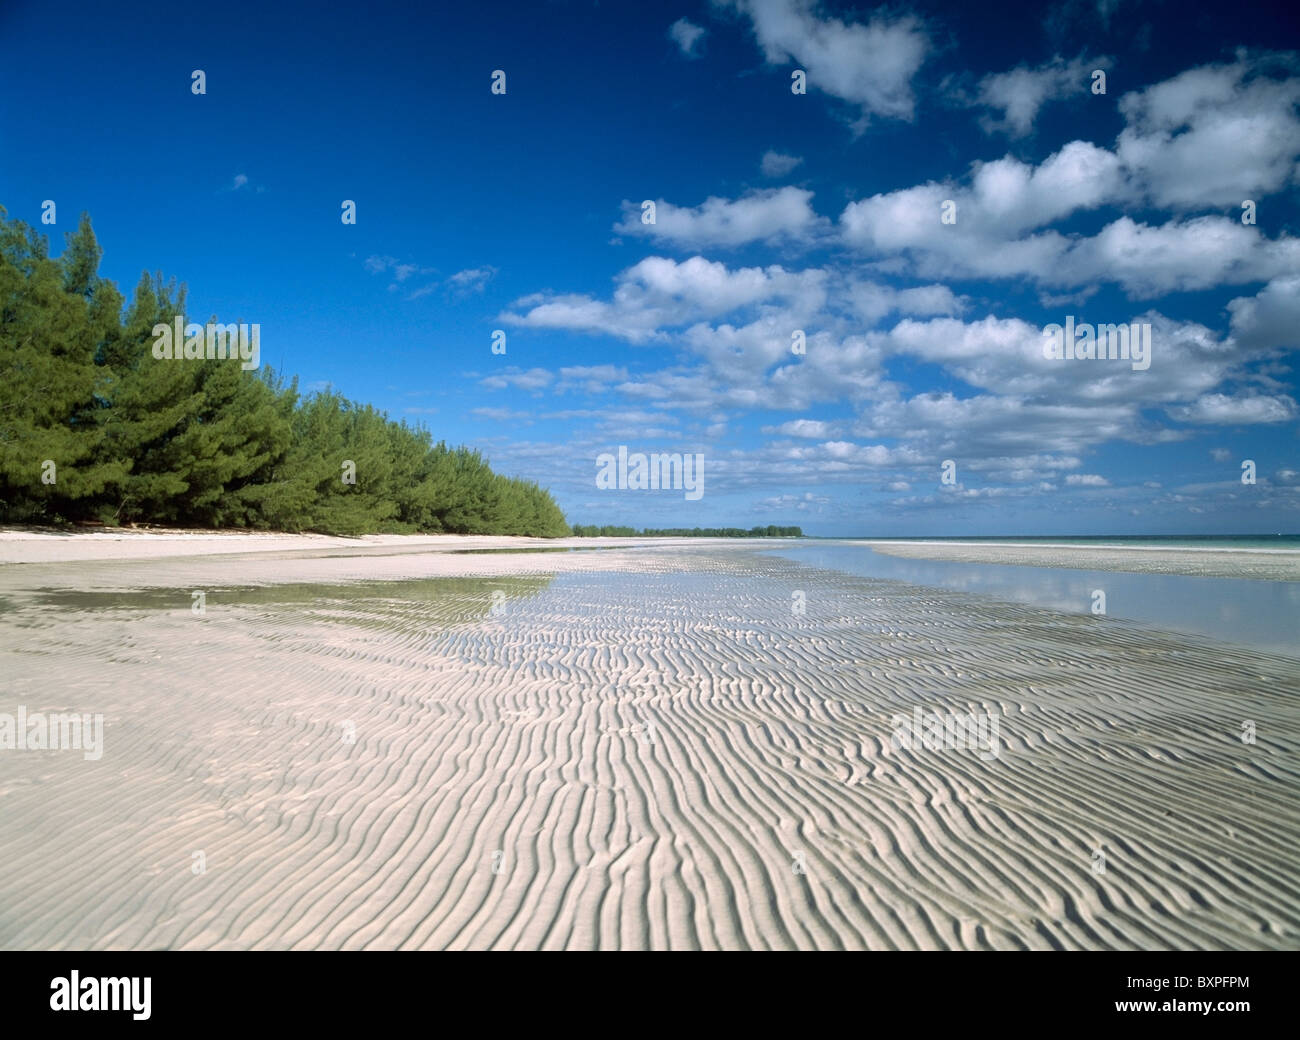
476 596
1261 614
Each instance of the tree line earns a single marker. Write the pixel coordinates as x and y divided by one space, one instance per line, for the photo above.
94 428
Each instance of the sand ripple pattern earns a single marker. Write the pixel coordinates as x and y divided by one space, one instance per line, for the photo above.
644 751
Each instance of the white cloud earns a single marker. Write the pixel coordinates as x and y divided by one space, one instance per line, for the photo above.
1008 415
530 379
1004 356
1214 135
590 379
1006 197
942 425
777 164
1211 136
1270 318
771 215
399 273
813 429
1247 409
1021 92
804 503
659 292
1180 256
843 456
239 182
472 279
870 65
686 34
873 300
503 415
1086 480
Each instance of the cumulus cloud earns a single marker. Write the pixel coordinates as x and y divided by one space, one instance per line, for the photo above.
773 215
1214 135
1179 256
1019 93
1241 410
889 306
1006 197
1270 318
659 293
873 300
940 424
871 65
1208 137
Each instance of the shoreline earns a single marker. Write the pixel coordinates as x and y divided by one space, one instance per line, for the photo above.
28 547
40 547
1253 564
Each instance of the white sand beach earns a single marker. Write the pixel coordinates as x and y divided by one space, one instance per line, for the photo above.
1263 564
389 743
18 546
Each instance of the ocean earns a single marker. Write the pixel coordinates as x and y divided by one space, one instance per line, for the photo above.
1162 541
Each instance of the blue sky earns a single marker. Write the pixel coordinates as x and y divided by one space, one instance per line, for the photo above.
775 212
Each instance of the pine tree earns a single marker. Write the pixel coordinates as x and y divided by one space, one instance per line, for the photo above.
54 318
134 438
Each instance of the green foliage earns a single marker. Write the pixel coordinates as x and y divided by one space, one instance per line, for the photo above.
55 317
203 442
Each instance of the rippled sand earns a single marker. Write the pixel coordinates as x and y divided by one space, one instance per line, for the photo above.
637 748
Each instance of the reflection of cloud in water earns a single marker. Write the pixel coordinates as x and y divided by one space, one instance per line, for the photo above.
1261 614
